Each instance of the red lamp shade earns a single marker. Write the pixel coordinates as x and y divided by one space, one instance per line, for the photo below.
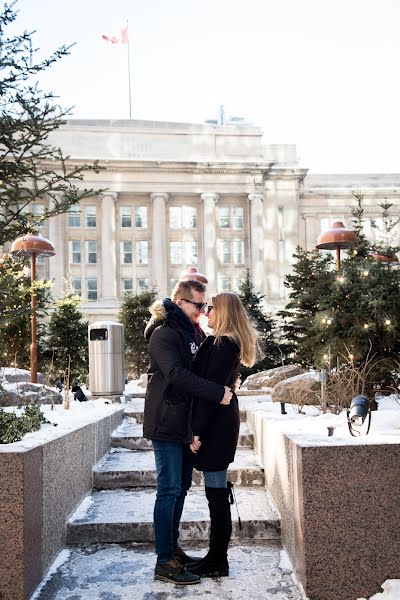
30 244
336 237
192 273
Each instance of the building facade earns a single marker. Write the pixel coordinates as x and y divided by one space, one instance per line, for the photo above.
180 195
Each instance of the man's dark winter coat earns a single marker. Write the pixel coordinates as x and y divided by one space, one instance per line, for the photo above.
217 425
171 381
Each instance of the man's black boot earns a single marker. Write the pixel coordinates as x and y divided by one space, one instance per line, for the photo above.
215 563
175 572
185 559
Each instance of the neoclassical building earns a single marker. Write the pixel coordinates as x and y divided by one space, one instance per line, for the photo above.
178 195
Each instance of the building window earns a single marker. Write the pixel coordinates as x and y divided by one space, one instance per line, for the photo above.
76 285
190 217
127 286
91 289
90 216
175 217
38 211
280 218
225 284
142 285
225 256
173 283
237 282
125 213
74 252
175 252
238 252
282 257
142 252
223 217
91 252
141 216
126 252
74 216
238 217
191 253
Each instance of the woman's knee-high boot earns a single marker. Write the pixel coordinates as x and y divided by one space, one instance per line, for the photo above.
215 563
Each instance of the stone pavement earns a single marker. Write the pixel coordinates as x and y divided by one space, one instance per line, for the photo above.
111 533
125 572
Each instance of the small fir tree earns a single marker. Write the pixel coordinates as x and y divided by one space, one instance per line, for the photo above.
270 349
134 315
351 317
67 336
16 311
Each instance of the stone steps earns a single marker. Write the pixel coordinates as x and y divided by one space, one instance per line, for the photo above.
126 515
130 436
127 468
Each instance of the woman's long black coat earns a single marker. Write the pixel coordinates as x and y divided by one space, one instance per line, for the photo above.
217 425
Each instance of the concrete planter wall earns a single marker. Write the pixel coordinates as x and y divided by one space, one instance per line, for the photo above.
340 510
39 489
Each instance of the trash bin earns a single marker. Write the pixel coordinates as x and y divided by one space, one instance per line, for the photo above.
106 358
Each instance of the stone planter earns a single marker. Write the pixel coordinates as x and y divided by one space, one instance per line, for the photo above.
40 487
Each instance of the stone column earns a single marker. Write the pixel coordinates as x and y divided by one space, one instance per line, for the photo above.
210 240
57 238
108 250
257 240
159 253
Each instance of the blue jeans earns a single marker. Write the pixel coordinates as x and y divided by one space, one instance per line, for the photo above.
215 479
174 478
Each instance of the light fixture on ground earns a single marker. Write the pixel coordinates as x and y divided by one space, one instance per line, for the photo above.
30 246
357 413
336 238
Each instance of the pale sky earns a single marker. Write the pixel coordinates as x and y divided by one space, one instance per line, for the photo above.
322 75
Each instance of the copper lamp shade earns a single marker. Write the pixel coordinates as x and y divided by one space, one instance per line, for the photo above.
32 245
336 237
192 273
387 259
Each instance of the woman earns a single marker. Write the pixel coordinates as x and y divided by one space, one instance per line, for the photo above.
216 428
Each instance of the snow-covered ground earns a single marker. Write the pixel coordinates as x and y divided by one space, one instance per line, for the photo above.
311 428
391 591
79 415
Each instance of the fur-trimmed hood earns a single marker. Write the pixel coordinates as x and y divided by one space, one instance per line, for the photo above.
158 317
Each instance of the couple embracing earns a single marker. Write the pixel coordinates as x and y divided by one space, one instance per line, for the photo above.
192 416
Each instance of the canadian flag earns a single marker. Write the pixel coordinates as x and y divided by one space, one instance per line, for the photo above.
119 38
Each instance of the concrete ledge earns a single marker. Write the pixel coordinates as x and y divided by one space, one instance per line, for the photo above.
339 508
40 487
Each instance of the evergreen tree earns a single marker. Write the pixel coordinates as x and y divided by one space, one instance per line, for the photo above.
15 311
30 167
134 315
271 352
67 335
349 317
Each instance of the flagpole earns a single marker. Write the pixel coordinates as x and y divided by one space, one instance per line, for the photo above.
129 73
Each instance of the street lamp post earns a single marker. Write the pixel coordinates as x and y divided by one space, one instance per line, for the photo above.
336 238
30 246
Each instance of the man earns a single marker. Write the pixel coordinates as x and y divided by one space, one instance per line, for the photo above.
173 343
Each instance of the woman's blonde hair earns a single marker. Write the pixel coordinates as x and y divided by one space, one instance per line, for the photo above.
231 320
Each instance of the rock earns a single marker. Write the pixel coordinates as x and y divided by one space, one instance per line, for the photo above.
142 381
271 377
299 390
13 375
27 393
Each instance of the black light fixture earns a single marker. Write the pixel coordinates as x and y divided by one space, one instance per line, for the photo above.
357 413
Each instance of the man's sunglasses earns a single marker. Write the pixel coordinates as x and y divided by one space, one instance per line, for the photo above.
198 305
